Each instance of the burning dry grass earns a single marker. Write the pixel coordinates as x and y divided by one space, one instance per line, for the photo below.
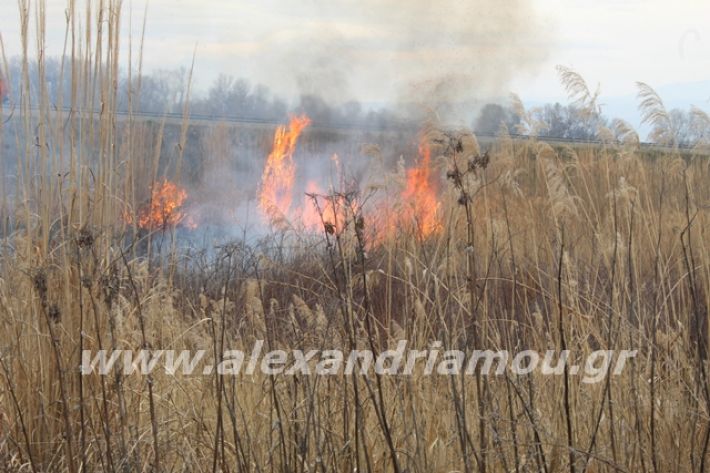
279 176
164 210
525 247
614 227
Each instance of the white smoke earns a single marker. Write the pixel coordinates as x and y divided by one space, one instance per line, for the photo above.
437 54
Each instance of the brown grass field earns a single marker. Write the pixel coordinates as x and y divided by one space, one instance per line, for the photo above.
538 247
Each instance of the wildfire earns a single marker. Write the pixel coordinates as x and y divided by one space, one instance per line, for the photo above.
277 181
330 212
165 209
420 205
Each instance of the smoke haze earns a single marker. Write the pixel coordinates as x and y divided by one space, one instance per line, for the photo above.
436 54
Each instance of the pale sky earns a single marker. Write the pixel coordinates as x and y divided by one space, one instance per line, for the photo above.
381 50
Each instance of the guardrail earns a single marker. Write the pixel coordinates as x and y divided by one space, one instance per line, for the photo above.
390 126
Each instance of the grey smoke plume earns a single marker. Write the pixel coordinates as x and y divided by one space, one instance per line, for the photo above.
435 54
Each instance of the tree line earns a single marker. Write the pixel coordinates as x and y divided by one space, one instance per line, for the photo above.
164 91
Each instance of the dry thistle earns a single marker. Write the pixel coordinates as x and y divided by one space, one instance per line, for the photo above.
39 281
110 286
479 162
54 313
85 238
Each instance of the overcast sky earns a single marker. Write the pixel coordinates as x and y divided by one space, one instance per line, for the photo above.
385 50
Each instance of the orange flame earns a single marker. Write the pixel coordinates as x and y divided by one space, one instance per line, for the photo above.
420 205
329 214
165 208
280 171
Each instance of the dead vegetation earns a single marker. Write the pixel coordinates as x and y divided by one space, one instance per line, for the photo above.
539 248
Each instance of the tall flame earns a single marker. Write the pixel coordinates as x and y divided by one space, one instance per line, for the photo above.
277 181
165 209
420 206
